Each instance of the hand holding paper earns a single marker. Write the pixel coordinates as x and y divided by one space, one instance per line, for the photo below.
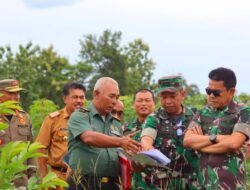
149 158
156 155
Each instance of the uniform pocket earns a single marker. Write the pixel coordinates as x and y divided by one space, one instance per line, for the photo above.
61 134
24 131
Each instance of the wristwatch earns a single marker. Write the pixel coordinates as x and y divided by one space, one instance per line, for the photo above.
213 138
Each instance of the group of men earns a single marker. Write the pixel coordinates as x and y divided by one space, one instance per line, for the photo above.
207 147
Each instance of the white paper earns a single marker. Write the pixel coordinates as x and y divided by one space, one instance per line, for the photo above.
157 155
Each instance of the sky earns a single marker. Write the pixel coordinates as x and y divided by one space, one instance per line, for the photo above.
187 37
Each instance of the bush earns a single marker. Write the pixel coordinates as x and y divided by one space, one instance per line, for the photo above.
38 111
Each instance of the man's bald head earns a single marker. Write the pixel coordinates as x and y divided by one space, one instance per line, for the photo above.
105 95
102 82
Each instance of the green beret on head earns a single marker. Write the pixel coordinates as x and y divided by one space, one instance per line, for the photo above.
170 83
10 85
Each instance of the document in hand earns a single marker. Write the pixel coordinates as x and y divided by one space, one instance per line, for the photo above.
157 155
150 158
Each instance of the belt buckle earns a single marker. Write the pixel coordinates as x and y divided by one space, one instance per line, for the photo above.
104 180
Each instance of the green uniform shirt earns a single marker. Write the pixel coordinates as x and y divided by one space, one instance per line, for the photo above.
223 171
93 161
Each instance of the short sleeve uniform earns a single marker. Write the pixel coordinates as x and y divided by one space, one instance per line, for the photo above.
53 135
223 171
168 132
93 161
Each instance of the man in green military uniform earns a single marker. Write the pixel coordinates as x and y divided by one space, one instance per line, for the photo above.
19 125
144 105
219 132
94 135
164 130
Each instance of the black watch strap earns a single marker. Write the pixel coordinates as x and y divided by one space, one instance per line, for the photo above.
213 138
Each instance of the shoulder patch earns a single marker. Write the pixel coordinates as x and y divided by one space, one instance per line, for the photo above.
54 114
83 110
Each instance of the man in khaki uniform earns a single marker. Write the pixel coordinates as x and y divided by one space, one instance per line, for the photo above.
53 133
19 125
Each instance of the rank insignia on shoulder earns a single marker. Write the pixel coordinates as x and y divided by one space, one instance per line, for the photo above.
54 114
83 110
21 118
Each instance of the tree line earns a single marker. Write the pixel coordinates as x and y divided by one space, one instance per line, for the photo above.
43 72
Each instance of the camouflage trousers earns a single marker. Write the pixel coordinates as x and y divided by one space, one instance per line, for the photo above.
142 182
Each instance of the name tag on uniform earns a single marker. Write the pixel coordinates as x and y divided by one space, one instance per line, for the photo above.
63 129
22 126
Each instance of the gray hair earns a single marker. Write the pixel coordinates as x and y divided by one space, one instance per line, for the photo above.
101 81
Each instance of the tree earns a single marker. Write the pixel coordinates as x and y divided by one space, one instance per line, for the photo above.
128 64
244 98
42 72
191 89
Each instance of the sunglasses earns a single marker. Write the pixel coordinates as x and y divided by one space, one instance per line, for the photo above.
216 93
114 112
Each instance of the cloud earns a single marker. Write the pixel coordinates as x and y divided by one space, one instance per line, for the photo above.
185 36
42 4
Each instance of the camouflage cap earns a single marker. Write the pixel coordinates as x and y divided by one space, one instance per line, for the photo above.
170 83
10 85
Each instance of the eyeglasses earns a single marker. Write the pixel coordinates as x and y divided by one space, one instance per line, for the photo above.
216 93
114 112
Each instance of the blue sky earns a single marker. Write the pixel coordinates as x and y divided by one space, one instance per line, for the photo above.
189 37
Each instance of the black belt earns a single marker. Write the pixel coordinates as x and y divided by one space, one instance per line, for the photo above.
59 169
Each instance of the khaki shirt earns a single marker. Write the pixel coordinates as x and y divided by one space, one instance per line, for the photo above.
53 135
19 128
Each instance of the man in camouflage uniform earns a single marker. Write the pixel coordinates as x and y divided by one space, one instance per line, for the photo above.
219 132
53 133
143 105
164 130
19 129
